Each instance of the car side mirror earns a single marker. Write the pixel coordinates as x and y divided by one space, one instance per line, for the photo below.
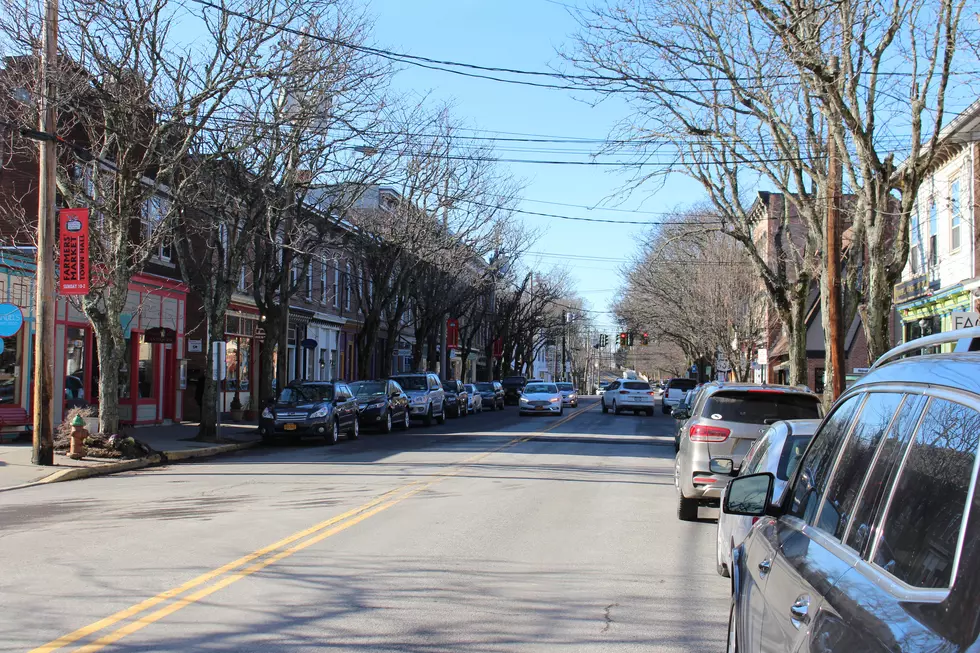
749 496
679 413
721 465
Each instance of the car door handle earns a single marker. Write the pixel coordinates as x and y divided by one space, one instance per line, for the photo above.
799 611
765 566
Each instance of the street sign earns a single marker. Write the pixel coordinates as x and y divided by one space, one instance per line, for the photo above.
11 319
722 365
694 369
73 252
195 346
965 319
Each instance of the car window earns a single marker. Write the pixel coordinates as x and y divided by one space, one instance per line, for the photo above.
815 467
855 460
368 388
920 533
612 386
394 386
793 449
757 454
882 475
564 386
411 382
682 384
760 406
631 385
306 393
544 388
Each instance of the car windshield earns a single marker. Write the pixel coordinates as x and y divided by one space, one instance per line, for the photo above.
541 388
469 387
368 388
484 387
306 393
411 382
603 384
793 450
682 384
760 406
637 385
565 386
514 380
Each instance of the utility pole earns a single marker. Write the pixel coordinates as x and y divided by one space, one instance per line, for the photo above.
833 235
443 342
44 304
564 345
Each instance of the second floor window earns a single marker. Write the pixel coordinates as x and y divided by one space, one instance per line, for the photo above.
955 217
309 281
348 282
336 283
915 251
155 209
933 234
323 280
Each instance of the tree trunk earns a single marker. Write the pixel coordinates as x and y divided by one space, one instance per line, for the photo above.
876 312
271 326
112 352
796 332
366 338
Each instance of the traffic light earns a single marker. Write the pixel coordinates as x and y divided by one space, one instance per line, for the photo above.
603 340
645 339
629 339
622 339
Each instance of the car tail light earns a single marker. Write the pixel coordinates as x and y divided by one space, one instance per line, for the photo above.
755 519
702 433
624 392
703 480
652 394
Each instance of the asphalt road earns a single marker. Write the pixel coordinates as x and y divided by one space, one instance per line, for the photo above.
490 533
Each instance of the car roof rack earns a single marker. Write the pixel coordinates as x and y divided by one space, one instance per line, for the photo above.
965 339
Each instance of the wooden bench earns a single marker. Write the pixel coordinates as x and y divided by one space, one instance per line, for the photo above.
14 420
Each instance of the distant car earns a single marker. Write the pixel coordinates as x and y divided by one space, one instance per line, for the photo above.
492 393
457 400
513 386
311 408
474 400
628 395
874 544
569 396
382 404
778 452
426 396
541 398
603 385
674 392
724 422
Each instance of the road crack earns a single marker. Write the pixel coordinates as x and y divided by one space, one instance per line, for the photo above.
608 617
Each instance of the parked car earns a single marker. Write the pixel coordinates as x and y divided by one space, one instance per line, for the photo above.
569 395
602 388
474 400
778 452
426 396
874 545
456 397
682 413
513 386
628 395
725 420
311 408
674 392
540 397
492 393
382 404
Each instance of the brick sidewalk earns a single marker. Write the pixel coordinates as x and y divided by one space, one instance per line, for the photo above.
174 441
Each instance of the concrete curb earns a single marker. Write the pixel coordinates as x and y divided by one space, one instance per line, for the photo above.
162 458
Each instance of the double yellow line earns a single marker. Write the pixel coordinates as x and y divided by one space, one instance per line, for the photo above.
217 579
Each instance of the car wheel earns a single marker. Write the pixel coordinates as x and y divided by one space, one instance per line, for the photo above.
428 417
732 646
465 410
387 426
334 436
407 420
687 509
355 431
665 410
442 416
615 408
604 408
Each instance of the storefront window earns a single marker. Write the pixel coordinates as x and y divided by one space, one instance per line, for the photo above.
8 371
75 367
237 358
924 327
145 363
124 374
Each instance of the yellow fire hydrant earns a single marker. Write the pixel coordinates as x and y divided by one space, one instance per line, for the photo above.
77 450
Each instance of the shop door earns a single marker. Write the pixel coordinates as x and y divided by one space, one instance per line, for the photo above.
170 382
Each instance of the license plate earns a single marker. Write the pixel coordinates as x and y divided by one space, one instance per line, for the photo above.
289 427
540 408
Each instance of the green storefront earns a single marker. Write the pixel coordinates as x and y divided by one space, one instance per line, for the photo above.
925 310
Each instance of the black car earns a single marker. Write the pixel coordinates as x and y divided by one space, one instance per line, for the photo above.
513 387
492 393
311 409
874 543
381 404
456 398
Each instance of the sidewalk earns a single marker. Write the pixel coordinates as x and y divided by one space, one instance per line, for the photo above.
173 443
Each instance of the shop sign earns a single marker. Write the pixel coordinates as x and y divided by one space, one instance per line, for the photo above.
259 333
195 346
403 352
913 288
73 250
309 343
452 334
965 320
498 348
11 319
160 335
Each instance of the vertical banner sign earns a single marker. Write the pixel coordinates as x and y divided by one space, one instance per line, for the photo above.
498 348
74 251
452 334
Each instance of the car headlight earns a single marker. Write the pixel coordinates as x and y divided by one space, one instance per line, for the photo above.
267 414
322 412
523 400
554 399
418 400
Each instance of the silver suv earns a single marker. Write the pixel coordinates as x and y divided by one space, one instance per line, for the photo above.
724 421
426 397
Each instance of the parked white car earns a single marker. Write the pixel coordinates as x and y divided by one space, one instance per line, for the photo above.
542 398
778 452
674 393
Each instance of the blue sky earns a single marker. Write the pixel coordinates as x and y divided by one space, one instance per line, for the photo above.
525 35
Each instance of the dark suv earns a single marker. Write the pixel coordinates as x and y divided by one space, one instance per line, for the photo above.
874 544
311 408
457 399
513 387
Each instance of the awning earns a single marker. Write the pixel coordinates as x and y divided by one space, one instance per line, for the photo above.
781 348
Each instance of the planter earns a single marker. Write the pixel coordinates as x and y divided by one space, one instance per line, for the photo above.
237 415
